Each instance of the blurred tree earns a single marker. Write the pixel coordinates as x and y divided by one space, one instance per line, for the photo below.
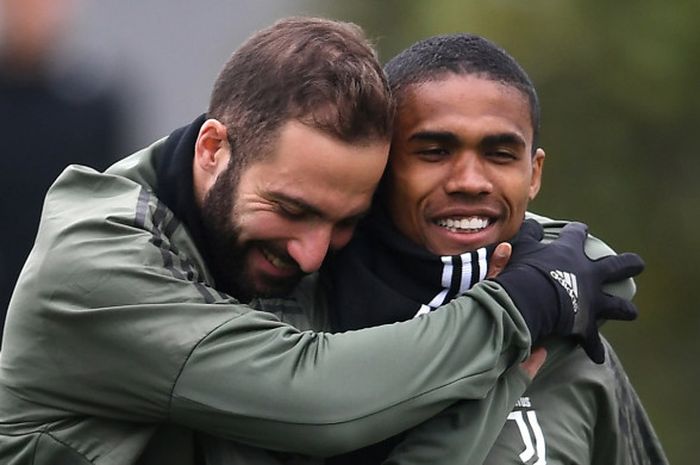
618 83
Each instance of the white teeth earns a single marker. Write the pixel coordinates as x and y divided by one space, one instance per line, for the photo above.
473 223
275 260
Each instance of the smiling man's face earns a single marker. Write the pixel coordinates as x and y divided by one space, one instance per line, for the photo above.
284 214
461 168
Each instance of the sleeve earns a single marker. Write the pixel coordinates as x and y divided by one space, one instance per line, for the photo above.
114 301
271 386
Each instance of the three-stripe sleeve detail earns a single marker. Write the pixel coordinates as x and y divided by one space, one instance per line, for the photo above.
162 224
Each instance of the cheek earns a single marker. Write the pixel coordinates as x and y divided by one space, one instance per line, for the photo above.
516 186
517 196
519 203
519 200
402 202
254 226
414 184
412 188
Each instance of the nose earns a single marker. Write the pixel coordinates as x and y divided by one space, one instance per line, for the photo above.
469 176
310 247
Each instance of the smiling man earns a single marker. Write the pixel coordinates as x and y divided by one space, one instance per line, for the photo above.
288 211
462 168
464 164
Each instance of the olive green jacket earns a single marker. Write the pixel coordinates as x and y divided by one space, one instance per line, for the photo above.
116 333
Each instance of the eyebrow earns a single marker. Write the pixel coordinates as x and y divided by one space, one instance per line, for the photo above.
296 202
436 136
446 137
311 209
506 138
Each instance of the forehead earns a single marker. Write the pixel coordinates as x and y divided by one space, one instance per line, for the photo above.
334 177
459 102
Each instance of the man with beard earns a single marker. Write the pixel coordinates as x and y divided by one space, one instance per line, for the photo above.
128 330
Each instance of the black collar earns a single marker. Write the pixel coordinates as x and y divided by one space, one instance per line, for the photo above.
175 186
382 277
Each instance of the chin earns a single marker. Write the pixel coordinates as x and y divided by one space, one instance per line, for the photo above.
458 249
275 289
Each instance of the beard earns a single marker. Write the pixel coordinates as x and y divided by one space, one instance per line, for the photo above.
227 255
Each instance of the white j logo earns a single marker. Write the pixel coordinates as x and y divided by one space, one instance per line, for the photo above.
526 436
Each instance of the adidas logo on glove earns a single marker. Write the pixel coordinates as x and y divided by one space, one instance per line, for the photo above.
566 303
568 282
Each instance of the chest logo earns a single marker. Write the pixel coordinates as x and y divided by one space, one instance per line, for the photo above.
530 433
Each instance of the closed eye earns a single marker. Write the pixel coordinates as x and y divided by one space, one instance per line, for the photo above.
504 147
433 153
433 145
291 207
503 155
291 212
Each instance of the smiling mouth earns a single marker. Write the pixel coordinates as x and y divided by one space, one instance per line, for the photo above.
469 224
281 263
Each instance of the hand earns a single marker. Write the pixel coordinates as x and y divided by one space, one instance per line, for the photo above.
499 259
558 289
534 362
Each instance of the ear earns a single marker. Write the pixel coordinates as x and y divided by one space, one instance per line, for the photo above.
536 178
211 155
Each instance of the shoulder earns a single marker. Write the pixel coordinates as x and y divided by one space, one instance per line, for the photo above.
595 248
108 232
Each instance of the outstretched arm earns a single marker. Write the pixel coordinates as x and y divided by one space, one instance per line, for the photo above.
137 323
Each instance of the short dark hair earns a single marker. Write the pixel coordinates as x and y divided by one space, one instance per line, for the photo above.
431 59
321 72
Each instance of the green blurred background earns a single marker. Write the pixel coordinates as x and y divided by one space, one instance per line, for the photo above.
618 82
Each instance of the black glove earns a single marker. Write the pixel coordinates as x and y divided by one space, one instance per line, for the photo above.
558 289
